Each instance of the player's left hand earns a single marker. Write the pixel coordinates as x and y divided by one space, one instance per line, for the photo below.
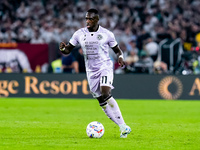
121 62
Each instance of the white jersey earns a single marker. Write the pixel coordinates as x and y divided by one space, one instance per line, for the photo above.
95 47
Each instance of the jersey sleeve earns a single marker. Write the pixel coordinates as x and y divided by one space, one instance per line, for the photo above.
74 39
112 41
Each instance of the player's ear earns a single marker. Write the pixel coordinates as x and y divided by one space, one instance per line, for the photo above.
97 17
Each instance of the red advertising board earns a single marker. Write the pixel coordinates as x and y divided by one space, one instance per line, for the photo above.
37 54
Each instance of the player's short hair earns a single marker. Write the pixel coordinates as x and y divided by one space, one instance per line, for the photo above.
92 10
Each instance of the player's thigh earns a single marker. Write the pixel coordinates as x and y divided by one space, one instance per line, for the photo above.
106 78
94 85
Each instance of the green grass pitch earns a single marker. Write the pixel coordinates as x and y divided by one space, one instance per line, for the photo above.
60 124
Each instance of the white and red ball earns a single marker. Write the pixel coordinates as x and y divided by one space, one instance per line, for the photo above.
95 129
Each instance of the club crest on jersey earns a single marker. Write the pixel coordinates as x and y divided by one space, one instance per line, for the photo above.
99 36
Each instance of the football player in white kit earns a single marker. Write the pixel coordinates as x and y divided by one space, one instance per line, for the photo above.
95 42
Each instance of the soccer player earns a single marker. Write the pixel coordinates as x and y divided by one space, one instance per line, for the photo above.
95 42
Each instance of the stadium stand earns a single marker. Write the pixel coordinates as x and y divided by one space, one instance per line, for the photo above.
50 21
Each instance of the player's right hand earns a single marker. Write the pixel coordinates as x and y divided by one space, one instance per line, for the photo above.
62 46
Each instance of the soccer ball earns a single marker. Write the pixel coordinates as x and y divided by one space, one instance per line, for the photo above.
95 129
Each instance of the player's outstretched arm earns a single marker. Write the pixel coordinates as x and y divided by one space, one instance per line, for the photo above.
66 48
119 54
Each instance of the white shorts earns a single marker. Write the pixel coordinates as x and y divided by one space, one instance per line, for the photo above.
99 78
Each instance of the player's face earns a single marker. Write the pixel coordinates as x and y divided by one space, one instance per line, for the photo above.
91 21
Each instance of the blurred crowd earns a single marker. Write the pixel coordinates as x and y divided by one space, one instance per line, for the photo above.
139 27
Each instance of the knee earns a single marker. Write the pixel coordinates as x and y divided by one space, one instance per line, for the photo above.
105 92
105 96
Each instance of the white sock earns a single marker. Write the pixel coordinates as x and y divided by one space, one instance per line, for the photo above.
108 111
116 111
